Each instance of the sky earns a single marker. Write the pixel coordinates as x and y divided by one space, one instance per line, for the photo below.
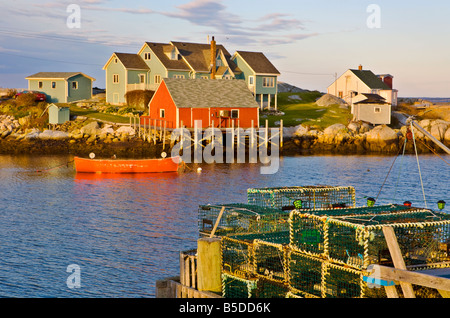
309 42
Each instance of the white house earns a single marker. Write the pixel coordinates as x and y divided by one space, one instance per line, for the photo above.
350 85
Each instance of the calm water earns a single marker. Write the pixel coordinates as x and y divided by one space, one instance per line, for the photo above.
125 232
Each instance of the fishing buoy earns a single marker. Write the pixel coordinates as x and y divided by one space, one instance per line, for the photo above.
92 155
199 170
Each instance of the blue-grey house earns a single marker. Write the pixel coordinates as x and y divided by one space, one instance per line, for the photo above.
62 87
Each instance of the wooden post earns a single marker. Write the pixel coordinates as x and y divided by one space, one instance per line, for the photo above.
397 258
252 136
267 133
281 133
209 264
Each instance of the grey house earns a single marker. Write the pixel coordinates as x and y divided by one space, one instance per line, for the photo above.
62 87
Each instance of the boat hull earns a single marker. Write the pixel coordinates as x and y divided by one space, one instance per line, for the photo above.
127 165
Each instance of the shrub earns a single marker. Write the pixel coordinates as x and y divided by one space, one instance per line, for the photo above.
139 99
28 99
11 92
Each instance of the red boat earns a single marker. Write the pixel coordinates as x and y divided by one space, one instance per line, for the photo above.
170 164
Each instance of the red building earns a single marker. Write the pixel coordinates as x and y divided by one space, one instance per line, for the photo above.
217 103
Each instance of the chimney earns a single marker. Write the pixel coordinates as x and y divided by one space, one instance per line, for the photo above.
213 58
360 67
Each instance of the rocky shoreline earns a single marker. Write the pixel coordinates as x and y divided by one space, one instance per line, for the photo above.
81 137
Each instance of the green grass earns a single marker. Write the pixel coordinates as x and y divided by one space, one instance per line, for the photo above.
306 111
78 111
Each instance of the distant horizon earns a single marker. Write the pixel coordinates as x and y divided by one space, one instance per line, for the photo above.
310 43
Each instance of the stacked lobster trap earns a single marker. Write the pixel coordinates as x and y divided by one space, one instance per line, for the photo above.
318 253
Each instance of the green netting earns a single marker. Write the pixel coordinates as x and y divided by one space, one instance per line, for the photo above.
237 257
358 240
305 273
241 218
270 260
237 287
267 288
311 197
341 282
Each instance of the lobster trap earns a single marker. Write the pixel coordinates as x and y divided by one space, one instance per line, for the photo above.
302 197
358 241
240 219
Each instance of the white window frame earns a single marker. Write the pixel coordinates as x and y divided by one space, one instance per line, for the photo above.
377 110
141 78
268 82
234 111
53 85
251 80
115 78
74 86
162 113
147 56
178 76
40 84
157 79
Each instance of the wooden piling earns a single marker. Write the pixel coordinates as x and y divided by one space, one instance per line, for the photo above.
209 264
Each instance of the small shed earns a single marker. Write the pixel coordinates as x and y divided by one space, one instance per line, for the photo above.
57 114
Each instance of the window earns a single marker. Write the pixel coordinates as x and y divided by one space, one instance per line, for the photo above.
75 85
340 94
53 84
377 109
142 78
178 76
115 61
204 77
40 84
268 82
251 80
157 79
147 56
162 113
235 113
116 78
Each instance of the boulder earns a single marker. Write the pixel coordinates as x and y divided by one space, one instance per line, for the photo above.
336 133
127 130
328 100
439 128
32 133
447 135
53 134
382 135
92 128
301 130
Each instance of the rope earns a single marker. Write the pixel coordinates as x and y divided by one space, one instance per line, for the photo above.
385 179
49 169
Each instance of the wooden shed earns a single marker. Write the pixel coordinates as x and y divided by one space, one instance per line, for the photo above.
58 115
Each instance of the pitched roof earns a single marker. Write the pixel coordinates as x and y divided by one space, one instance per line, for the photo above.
198 55
160 50
258 62
366 98
57 75
370 79
132 61
206 93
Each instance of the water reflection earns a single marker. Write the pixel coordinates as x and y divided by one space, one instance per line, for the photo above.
125 231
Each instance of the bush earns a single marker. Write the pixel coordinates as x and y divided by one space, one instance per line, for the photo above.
11 92
28 99
139 99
